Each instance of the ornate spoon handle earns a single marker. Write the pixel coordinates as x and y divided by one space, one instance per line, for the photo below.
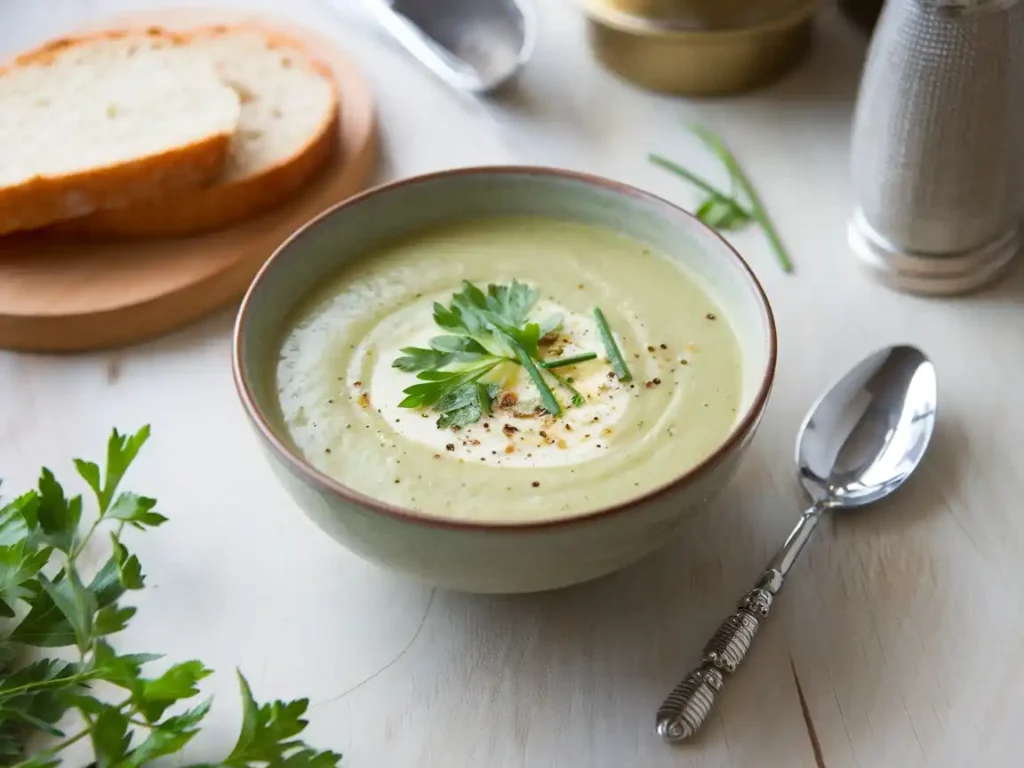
689 704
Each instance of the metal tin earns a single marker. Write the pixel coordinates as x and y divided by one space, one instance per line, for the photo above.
938 145
700 47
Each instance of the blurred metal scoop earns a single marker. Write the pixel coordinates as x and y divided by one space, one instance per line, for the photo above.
474 45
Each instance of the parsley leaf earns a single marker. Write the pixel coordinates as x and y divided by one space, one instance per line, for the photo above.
168 737
267 732
462 348
511 303
110 737
485 330
40 544
20 564
112 619
122 671
444 350
46 626
723 215
435 385
78 605
57 516
136 510
33 695
129 570
465 405
178 682
107 584
121 452
417 359
17 517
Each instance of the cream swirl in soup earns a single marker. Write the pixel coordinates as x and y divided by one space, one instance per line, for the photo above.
613 439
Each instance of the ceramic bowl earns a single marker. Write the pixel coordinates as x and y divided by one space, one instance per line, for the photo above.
497 557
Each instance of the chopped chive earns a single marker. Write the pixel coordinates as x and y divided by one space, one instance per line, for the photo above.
757 211
547 397
564 361
576 398
611 348
697 181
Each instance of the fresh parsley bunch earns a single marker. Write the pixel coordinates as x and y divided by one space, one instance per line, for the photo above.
484 330
47 602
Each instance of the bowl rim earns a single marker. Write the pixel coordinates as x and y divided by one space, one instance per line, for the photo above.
299 466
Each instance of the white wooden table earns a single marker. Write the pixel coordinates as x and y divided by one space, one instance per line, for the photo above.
898 641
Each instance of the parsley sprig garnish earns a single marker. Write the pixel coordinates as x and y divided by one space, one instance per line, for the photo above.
484 331
48 602
724 211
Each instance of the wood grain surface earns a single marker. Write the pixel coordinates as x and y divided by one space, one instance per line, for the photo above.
68 293
897 639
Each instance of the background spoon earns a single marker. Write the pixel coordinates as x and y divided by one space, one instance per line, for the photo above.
474 45
859 442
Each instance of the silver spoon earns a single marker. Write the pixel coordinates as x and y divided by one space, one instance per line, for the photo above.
859 442
474 45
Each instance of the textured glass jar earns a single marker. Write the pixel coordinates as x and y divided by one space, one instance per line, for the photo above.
938 144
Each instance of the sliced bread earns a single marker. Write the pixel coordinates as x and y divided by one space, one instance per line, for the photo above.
287 130
105 120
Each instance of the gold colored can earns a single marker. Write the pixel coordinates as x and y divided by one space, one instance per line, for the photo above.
700 47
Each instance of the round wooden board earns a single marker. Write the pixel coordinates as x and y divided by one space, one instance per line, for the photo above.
59 294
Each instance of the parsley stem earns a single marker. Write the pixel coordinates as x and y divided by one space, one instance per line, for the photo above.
562 362
547 397
76 551
61 746
611 348
757 210
28 687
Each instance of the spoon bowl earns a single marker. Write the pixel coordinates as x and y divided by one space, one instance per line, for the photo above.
862 438
474 45
860 441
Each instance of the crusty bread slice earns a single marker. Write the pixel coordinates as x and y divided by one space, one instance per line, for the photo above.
107 119
287 130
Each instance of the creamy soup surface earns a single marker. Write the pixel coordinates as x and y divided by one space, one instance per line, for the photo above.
339 392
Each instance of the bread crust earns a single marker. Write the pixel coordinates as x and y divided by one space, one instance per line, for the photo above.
43 200
219 205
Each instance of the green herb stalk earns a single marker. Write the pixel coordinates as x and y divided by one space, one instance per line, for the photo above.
49 603
611 347
721 210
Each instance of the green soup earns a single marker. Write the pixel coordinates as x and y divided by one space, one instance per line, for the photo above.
339 392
